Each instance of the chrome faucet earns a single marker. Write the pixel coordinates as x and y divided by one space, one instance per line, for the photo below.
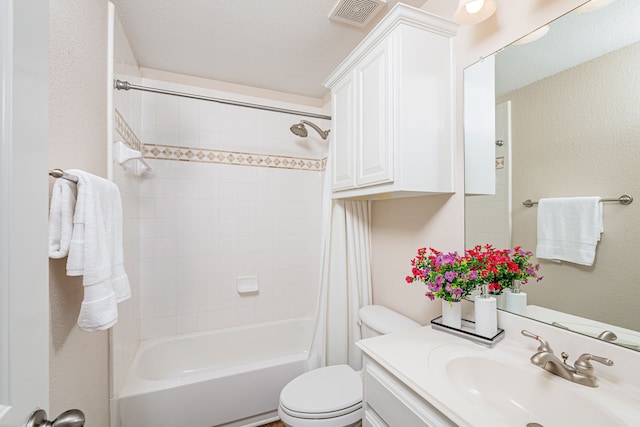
582 372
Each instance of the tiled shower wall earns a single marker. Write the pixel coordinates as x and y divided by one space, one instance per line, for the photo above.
205 225
240 196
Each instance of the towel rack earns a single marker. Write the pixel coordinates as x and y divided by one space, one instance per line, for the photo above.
625 199
59 173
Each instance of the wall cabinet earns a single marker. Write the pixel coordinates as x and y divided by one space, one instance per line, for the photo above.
480 128
392 110
389 402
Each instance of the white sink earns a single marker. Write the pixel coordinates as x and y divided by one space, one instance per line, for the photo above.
502 387
521 396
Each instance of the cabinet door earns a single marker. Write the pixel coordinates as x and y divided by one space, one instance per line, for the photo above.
343 134
395 403
374 144
479 128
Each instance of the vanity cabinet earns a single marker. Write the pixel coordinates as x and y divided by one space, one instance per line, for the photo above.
388 402
392 110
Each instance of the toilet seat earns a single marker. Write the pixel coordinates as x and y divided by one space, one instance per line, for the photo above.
323 393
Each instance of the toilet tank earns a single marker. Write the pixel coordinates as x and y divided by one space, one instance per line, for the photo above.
379 320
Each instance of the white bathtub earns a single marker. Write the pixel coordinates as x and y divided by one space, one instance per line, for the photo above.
229 377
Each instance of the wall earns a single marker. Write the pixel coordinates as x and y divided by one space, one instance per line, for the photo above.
77 139
583 143
400 227
233 193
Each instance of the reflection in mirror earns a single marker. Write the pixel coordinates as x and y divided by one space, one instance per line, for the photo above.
568 118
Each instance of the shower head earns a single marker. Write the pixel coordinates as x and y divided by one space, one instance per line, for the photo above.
300 129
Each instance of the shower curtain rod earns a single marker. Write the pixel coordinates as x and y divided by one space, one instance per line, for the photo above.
124 85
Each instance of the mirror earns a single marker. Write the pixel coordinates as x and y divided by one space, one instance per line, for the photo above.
568 121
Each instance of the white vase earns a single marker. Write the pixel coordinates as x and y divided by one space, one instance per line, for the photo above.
500 299
452 314
517 303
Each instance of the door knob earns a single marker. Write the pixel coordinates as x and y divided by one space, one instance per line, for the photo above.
70 418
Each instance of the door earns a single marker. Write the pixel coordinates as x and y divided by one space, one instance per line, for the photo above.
24 299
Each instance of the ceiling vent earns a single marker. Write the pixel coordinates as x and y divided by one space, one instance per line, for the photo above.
356 12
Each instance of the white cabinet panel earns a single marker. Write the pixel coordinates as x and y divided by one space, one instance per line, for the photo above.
371 419
394 403
479 127
343 132
396 131
374 146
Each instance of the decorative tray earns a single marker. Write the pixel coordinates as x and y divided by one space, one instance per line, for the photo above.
468 331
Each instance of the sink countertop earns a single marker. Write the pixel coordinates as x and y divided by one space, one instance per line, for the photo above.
420 357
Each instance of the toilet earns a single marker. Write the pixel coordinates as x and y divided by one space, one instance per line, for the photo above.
332 396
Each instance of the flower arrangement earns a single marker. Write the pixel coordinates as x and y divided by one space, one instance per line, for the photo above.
451 277
448 276
500 267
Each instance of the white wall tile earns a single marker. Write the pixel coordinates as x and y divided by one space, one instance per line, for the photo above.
204 224
186 323
165 326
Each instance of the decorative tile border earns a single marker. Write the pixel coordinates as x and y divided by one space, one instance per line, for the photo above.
499 162
125 131
203 155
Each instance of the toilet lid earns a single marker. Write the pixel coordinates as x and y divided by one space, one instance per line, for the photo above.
323 391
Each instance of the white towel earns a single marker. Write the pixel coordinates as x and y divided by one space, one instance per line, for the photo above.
96 252
63 203
569 229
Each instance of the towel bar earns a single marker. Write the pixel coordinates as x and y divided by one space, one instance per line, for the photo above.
625 199
59 173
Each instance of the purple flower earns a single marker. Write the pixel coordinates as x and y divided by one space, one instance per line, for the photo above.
430 296
450 276
440 279
448 259
457 291
473 274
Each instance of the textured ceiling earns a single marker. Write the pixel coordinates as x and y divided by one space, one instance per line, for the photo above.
284 45
573 39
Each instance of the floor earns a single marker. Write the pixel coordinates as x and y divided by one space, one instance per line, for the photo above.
274 424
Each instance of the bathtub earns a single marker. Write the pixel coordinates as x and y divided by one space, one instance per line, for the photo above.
230 377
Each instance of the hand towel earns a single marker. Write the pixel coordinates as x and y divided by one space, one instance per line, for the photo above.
96 251
569 229
63 202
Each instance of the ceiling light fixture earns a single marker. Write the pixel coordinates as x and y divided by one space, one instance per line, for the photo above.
533 36
472 12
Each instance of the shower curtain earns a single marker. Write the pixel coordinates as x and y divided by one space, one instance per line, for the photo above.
345 280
